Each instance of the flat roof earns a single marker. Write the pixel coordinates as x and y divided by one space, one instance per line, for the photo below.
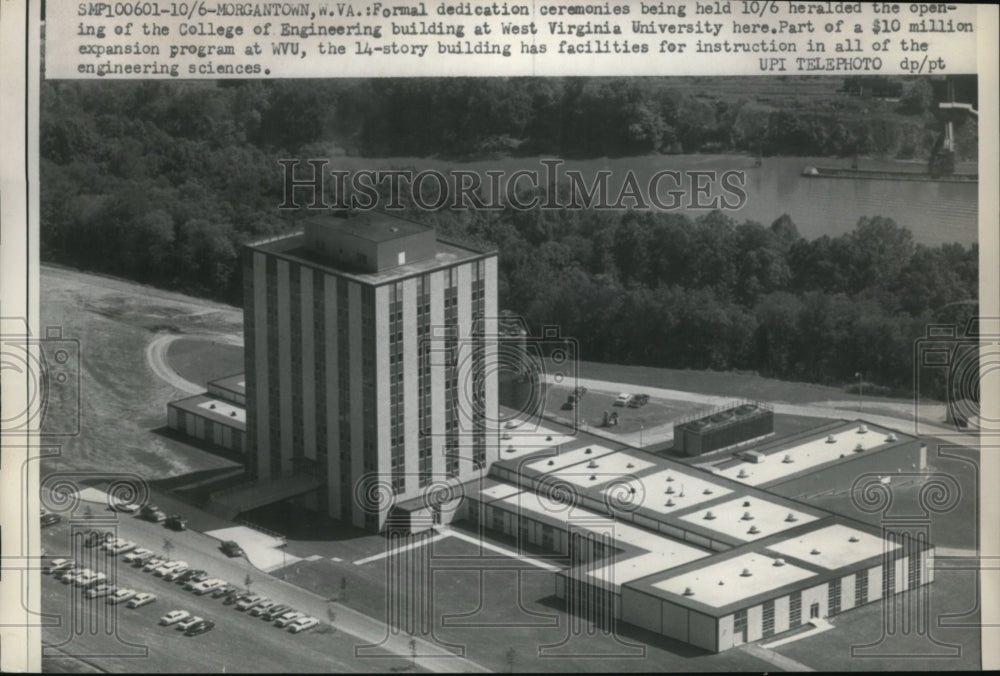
832 547
525 443
293 247
599 471
373 226
214 409
673 490
666 554
235 383
784 460
733 579
565 459
747 518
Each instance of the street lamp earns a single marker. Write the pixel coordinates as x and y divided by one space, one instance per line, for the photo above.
641 428
860 384
284 563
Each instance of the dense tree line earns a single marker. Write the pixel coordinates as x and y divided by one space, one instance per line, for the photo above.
161 182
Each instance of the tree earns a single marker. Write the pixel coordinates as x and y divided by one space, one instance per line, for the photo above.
247 581
168 546
343 589
509 658
413 651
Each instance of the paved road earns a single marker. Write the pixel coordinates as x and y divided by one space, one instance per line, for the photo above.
156 357
202 551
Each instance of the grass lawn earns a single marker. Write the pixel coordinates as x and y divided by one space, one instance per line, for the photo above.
200 360
952 591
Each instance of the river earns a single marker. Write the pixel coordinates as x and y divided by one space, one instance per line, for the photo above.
935 212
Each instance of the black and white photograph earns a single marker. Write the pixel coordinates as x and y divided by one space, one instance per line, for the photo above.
492 372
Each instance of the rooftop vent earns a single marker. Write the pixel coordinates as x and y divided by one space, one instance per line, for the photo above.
551 462
747 516
753 530
631 490
891 437
707 491
211 405
742 475
746 503
670 502
709 516
670 490
746 573
591 465
787 459
859 448
548 438
688 591
670 478
814 551
593 477
510 449
779 562
791 518
721 583
232 414
863 429
629 466
853 538
587 452
831 440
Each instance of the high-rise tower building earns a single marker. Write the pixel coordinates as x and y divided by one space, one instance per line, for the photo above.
367 361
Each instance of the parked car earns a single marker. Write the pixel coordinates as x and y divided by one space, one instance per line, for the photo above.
121 548
168 566
85 578
132 556
153 563
172 575
249 602
141 599
233 597
206 586
224 590
102 589
57 565
66 575
93 581
622 399
275 612
173 617
231 548
50 520
189 622
302 624
176 522
187 575
200 628
288 618
261 607
121 596
128 508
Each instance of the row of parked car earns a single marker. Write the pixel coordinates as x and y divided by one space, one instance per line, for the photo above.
95 584
201 583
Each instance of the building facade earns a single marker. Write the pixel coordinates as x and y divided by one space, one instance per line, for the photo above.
367 361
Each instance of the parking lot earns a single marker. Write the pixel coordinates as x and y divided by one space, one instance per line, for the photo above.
114 637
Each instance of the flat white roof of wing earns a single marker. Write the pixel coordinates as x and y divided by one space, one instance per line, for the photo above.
683 489
835 546
565 459
809 454
729 519
607 468
705 586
